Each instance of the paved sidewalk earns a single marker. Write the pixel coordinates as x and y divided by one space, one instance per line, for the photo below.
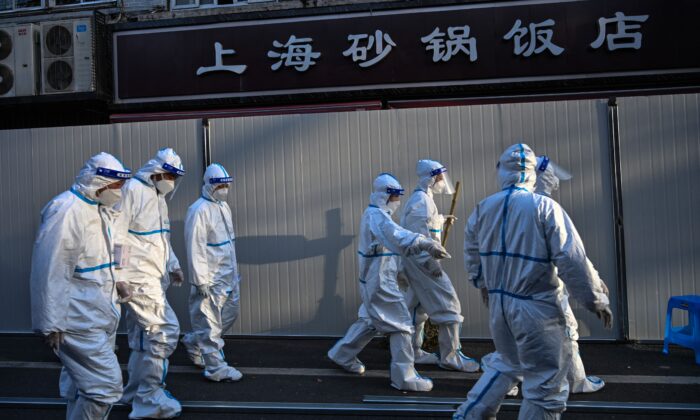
296 370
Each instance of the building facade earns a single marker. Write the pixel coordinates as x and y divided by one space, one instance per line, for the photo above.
306 101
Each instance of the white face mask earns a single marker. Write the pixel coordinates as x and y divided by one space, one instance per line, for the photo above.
109 197
439 187
393 206
164 186
221 194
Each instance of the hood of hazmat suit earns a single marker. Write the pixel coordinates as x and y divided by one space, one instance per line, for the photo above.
384 186
515 244
428 172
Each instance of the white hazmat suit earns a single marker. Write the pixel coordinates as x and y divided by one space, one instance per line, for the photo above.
548 177
381 243
426 295
515 243
73 289
214 294
151 323
548 180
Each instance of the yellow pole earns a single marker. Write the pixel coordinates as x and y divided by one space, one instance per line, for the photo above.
452 213
431 331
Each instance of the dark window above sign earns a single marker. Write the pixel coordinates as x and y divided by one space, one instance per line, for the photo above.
191 4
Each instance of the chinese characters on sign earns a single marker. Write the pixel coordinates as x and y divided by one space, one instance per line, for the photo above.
360 53
299 54
537 33
458 40
634 39
366 50
219 52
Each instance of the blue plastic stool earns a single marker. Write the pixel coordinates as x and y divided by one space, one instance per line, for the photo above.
687 335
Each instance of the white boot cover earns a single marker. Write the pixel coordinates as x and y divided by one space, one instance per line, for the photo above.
151 399
403 372
218 370
579 383
344 352
451 356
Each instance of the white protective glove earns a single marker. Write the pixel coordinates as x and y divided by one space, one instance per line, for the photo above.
606 316
125 291
605 288
54 339
431 247
450 219
203 290
177 277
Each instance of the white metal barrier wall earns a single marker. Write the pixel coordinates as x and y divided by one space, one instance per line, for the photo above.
660 162
301 184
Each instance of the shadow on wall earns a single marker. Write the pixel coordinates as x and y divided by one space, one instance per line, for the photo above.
258 250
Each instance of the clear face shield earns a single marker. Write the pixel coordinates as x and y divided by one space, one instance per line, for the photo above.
549 176
219 187
113 181
394 201
179 173
544 162
560 172
443 184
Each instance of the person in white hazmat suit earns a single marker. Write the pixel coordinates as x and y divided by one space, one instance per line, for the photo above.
515 244
151 266
428 296
381 243
548 177
74 297
214 276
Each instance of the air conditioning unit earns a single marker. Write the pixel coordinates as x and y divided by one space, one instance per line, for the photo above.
19 60
67 56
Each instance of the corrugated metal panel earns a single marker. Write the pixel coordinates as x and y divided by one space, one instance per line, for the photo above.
660 158
17 200
302 183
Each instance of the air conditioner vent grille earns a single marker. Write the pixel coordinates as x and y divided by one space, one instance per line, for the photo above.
7 80
59 75
58 40
5 45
